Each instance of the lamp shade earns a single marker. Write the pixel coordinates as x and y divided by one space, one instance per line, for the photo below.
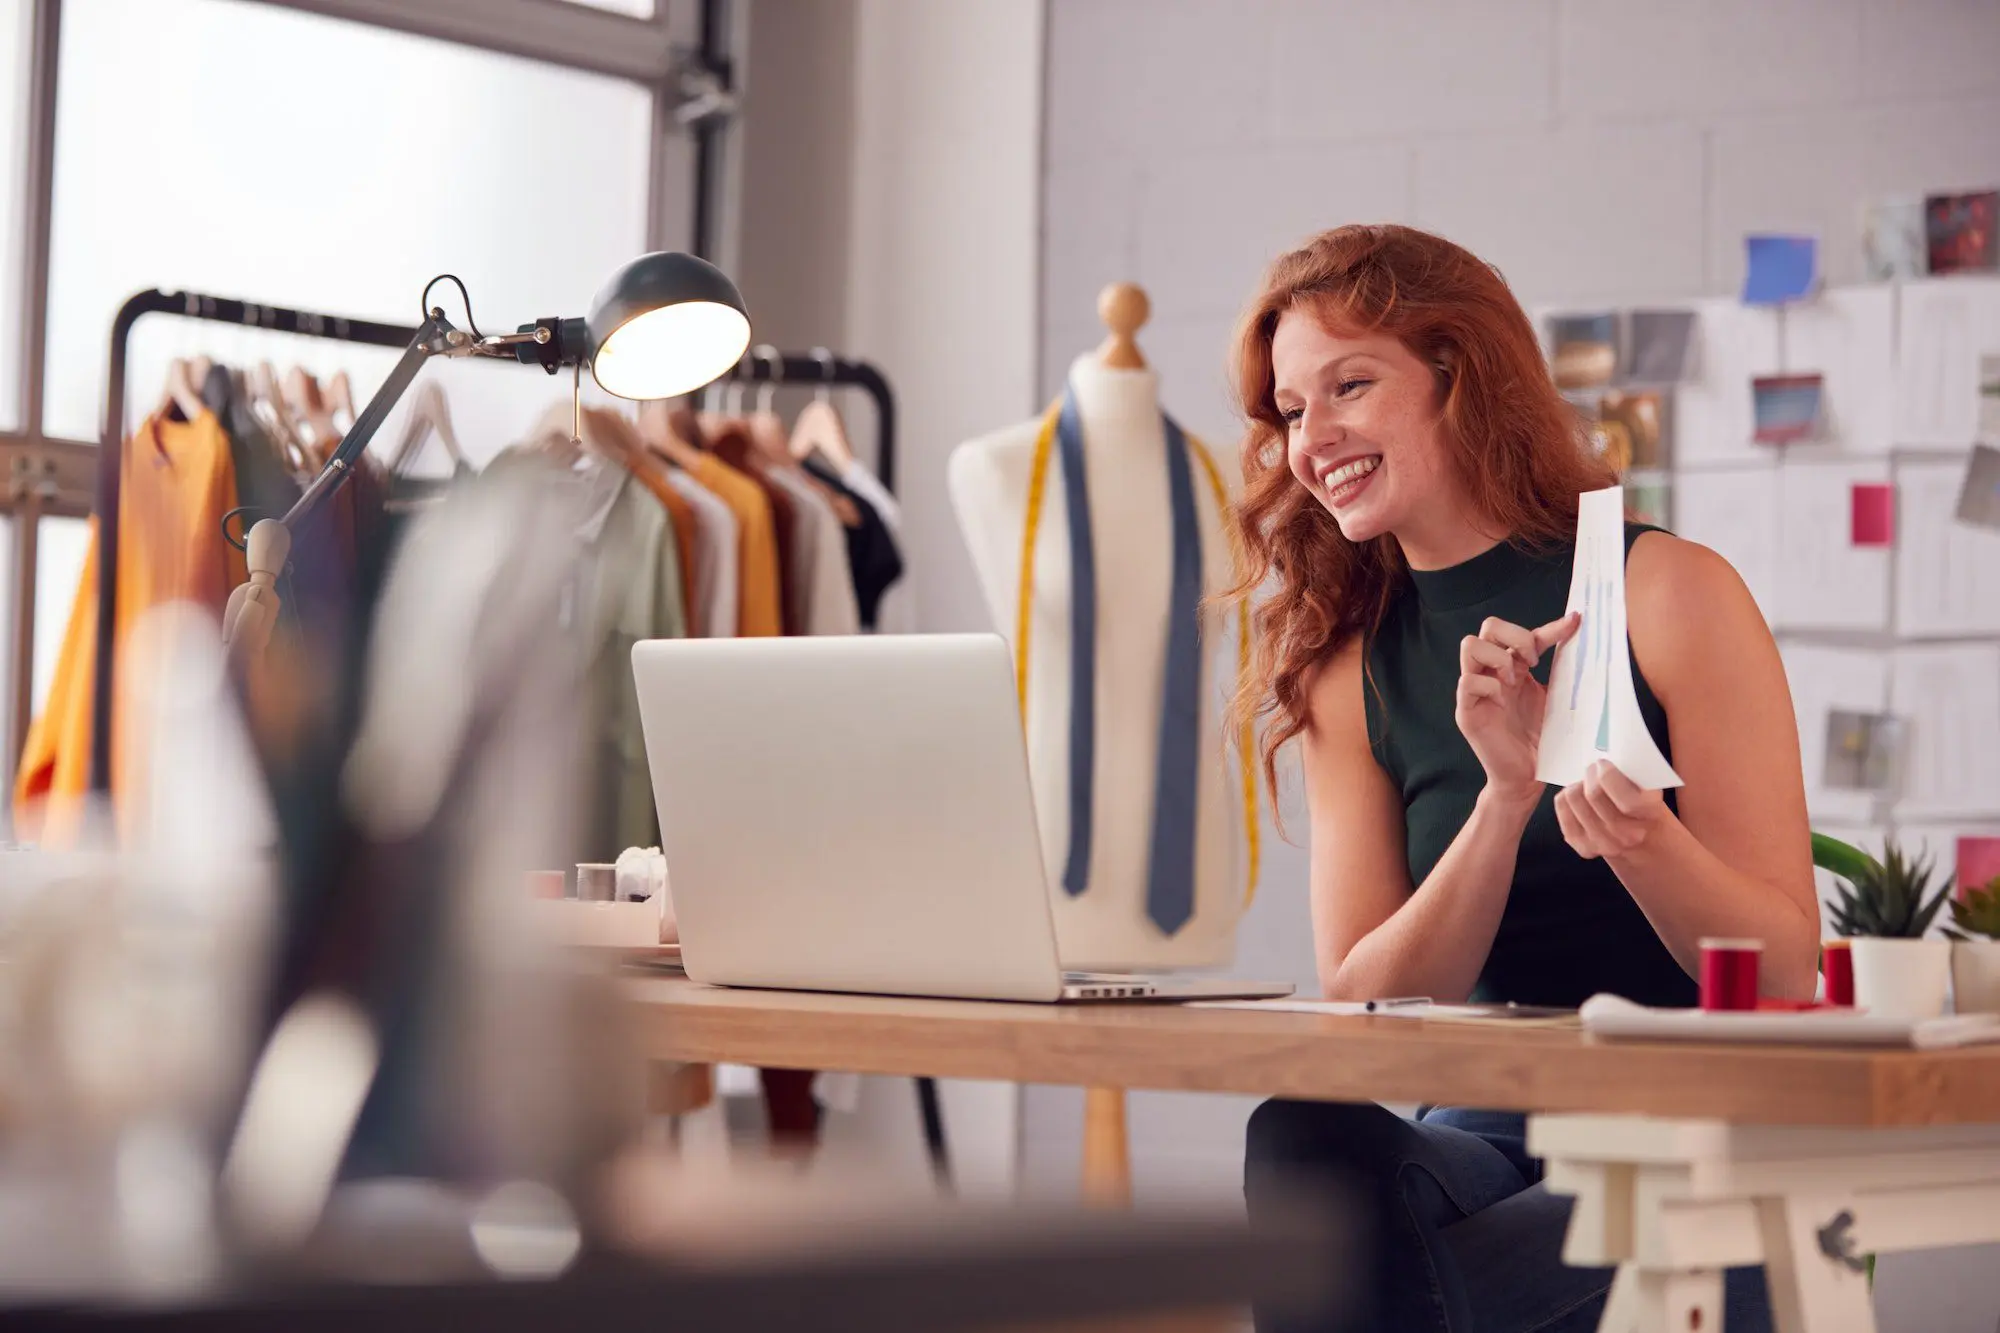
664 325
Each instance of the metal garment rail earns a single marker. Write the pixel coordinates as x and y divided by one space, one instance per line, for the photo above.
809 371
784 368
111 456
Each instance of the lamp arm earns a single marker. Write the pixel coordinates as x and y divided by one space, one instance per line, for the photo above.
432 337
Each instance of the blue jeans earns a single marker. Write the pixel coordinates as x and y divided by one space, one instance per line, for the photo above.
1466 1237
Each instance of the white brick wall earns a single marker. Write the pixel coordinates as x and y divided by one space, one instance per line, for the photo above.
1598 151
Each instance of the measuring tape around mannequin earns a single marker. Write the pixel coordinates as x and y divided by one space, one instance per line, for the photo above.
1045 449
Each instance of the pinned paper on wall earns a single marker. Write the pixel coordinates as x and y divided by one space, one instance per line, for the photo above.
1963 231
1735 513
1593 705
1825 579
1660 342
1862 751
1873 518
1585 349
1825 684
1848 336
1893 239
1989 398
1713 422
1951 698
1979 497
1785 407
1779 269
1947 572
1945 327
1978 862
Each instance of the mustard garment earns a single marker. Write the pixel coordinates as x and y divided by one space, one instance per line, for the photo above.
177 481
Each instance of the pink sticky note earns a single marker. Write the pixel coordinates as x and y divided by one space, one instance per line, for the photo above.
1978 862
1874 522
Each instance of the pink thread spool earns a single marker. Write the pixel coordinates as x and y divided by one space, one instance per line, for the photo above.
1729 974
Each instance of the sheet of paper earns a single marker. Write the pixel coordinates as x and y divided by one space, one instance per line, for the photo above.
1734 512
1946 844
1951 698
1662 343
1825 581
1848 336
1733 344
1822 680
1338 1008
1780 268
1979 492
1945 325
1593 705
1947 572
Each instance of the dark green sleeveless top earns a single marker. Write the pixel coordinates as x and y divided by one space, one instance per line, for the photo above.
1570 929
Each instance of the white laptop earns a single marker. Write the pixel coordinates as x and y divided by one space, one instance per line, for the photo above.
853 814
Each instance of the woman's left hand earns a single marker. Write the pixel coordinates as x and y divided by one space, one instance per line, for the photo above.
1607 814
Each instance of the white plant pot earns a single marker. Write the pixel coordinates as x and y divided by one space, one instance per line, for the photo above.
1975 976
1901 978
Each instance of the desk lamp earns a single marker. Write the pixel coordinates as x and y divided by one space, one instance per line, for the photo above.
664 325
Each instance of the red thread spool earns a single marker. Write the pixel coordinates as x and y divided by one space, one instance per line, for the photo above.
1729 974
1837 962
547 884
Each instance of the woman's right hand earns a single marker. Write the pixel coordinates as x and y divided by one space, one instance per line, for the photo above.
1500 704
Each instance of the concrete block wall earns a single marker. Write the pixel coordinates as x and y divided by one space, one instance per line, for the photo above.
1600 152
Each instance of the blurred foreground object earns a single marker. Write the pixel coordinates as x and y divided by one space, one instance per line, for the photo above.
767 1253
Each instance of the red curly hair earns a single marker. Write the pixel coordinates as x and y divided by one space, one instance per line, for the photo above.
1518 448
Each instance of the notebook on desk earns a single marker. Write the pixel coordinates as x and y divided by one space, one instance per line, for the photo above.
854 814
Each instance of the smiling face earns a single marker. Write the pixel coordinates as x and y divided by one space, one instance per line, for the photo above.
1364 436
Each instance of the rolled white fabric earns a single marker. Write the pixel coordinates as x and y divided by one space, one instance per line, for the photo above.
641 876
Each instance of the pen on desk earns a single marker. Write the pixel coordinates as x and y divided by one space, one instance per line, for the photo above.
1401 1002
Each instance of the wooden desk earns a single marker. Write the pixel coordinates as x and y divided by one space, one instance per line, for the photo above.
1683 1159
1316 1057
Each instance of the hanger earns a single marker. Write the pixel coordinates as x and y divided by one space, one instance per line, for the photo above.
430 413
183 390
340 402
763 425
267 405
662 432
819 428
309 408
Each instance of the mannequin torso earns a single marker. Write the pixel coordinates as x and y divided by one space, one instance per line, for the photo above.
1106 927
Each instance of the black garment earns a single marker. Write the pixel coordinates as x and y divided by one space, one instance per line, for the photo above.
872 554
1570 929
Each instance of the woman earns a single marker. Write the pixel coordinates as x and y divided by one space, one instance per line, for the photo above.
1411 483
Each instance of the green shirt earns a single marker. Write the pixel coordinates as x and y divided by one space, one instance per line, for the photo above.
1570 929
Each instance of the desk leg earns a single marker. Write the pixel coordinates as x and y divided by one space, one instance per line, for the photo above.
1107 1154
1811 1291
1648 1301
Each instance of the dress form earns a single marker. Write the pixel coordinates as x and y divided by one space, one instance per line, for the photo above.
1107 927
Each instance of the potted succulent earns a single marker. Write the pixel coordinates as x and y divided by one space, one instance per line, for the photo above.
1886 907
1975 949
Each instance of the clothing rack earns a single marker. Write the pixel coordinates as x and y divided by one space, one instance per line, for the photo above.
815 371
111 455
782 368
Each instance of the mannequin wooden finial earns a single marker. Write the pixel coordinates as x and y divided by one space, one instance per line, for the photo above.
1123 307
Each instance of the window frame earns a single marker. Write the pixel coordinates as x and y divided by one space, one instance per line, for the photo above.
682 55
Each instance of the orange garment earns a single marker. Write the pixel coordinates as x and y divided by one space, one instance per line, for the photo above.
682 520
177 481
760 596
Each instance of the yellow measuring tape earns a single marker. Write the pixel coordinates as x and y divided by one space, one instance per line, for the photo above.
1038 477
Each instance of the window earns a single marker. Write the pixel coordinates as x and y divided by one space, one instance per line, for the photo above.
242 178
14 38
638 9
